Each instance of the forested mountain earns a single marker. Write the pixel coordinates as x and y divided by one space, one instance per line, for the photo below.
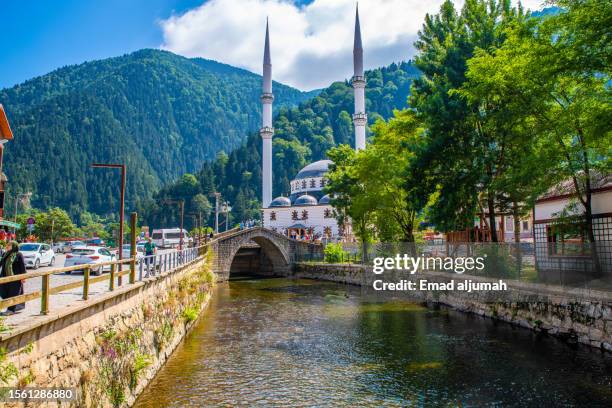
302 134
161 114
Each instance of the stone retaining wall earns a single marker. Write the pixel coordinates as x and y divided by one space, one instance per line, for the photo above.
573 314
110 347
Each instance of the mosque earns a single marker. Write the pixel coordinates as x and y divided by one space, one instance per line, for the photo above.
307 212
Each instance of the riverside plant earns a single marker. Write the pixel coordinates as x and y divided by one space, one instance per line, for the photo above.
3 327
121 363
334 253
122 359
190 314
8 371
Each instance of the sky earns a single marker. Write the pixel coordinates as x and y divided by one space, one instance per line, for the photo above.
311 40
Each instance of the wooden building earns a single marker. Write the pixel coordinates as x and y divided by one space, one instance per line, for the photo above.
5 135
561 242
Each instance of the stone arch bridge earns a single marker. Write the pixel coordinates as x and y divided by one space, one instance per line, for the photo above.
259 251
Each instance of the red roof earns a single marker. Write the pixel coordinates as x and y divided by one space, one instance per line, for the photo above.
5 128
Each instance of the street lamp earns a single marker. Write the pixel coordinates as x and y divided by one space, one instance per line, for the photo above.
181 204
122 167
217 196
226 209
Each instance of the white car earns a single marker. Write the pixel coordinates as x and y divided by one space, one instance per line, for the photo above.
171 238
66 246
90 255
36 254
140 252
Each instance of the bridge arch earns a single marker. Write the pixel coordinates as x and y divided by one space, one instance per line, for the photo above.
276 253
271 259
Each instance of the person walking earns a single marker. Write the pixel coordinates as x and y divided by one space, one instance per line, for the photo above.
12 264
150 252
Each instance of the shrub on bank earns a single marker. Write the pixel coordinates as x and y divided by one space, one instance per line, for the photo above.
334 253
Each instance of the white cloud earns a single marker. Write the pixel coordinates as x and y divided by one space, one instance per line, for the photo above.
311 45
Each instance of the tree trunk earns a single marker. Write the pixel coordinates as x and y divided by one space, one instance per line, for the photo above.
588 215
517 237
491 208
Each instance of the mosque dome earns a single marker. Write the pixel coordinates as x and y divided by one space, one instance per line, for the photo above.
280 202
316 169
326 199
304 200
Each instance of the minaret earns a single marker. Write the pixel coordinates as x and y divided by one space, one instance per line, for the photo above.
267 131
360 119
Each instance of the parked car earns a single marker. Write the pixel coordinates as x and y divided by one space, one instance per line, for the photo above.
98 242
90 255
59 247
171 238
140 252
36 254
66 246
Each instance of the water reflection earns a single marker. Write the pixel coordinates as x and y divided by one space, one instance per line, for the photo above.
281 342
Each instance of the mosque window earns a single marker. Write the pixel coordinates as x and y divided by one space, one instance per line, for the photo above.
327 213
305 214
313 183
273 216
303 183
294 215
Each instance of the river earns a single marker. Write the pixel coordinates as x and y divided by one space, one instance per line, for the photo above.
283 342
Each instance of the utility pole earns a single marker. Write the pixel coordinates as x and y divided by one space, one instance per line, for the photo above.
217 197
195 223
200 229
181 204
226 210
182 235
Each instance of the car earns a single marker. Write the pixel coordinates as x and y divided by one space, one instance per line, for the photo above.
36 254
59 247
98 242
90 255
171 237
66 246
140 252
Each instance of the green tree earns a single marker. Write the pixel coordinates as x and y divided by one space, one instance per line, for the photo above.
568 105
200 205
460 156
92 225
374 186
348 194
49 225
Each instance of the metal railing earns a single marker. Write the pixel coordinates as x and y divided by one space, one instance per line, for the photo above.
167 263
152 265
582 265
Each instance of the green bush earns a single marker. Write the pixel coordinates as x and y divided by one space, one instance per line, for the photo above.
141 361
190 314
498 262
334 253
8 371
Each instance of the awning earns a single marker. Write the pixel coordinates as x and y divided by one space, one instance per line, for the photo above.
296 226
10 224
